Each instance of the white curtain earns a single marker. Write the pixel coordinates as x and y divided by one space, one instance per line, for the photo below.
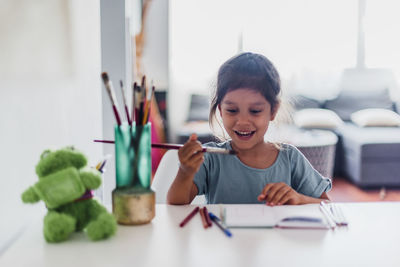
382 38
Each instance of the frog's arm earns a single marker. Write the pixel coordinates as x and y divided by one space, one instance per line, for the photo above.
91 178
30 195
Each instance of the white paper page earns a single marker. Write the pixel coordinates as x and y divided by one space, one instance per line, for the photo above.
266 216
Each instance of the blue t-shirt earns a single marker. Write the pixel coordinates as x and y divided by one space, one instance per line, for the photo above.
225 179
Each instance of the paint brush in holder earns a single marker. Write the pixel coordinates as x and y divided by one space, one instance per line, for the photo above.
133 201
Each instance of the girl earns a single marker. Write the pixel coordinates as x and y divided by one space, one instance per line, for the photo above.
247 99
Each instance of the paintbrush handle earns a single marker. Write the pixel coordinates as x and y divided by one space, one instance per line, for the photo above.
178 146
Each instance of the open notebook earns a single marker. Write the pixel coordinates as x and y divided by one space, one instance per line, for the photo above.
301 216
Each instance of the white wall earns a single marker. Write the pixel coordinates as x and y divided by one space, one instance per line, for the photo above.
155 55
50 93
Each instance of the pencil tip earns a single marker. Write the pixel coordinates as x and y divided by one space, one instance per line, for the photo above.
104 76
121 83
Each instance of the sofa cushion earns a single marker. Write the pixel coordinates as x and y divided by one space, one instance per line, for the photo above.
316 118
302 102
371 155
375 117
349 102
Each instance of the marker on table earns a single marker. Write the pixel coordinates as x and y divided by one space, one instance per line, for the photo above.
216 220
207 217
189 217
203 218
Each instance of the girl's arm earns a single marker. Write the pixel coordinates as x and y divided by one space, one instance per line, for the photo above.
308 200
183 190
281 194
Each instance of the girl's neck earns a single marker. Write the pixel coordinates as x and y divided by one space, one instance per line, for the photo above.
260 156
255 151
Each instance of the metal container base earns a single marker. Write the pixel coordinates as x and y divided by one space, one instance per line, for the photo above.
133 206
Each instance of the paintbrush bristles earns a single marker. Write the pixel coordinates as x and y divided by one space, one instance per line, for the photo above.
105 78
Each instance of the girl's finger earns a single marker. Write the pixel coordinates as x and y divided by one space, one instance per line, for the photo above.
274 190
193 137
279 196
198 160
189 149
286 198
266 189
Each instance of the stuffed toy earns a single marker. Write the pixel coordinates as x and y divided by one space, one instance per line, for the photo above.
65 187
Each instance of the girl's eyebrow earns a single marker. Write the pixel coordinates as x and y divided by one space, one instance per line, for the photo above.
227 102
258 104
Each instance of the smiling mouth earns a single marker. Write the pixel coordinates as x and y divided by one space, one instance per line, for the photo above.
245 133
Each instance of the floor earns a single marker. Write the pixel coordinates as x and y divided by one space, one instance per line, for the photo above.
345 191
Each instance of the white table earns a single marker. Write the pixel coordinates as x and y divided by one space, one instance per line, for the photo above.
372 239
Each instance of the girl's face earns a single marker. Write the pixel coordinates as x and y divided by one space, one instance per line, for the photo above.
246 115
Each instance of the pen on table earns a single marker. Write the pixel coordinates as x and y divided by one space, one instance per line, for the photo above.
217 221
177 146
327 214
189 217
111 94
203 218
125 104
333 210
338 214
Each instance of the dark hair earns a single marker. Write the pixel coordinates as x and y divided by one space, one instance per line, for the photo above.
247 70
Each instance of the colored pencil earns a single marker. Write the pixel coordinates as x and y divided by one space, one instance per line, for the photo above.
203 218
133 109
148 105
208 219
190 216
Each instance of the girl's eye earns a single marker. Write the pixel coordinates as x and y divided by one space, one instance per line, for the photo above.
255 111
231 110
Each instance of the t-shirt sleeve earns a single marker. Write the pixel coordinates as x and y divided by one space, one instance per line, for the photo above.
200 179
305 179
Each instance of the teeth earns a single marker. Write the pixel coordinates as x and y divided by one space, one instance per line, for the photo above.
244 133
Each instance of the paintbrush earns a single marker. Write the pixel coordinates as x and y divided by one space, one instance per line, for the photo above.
207 149
110 90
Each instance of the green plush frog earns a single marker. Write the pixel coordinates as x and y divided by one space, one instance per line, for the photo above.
65 185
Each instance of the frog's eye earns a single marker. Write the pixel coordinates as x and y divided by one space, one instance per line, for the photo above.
70 148
45 154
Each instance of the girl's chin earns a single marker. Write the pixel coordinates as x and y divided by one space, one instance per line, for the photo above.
240 145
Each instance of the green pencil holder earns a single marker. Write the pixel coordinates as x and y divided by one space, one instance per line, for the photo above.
133 200
133 156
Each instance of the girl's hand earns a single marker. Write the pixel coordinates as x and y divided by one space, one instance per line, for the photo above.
191 156
280 194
